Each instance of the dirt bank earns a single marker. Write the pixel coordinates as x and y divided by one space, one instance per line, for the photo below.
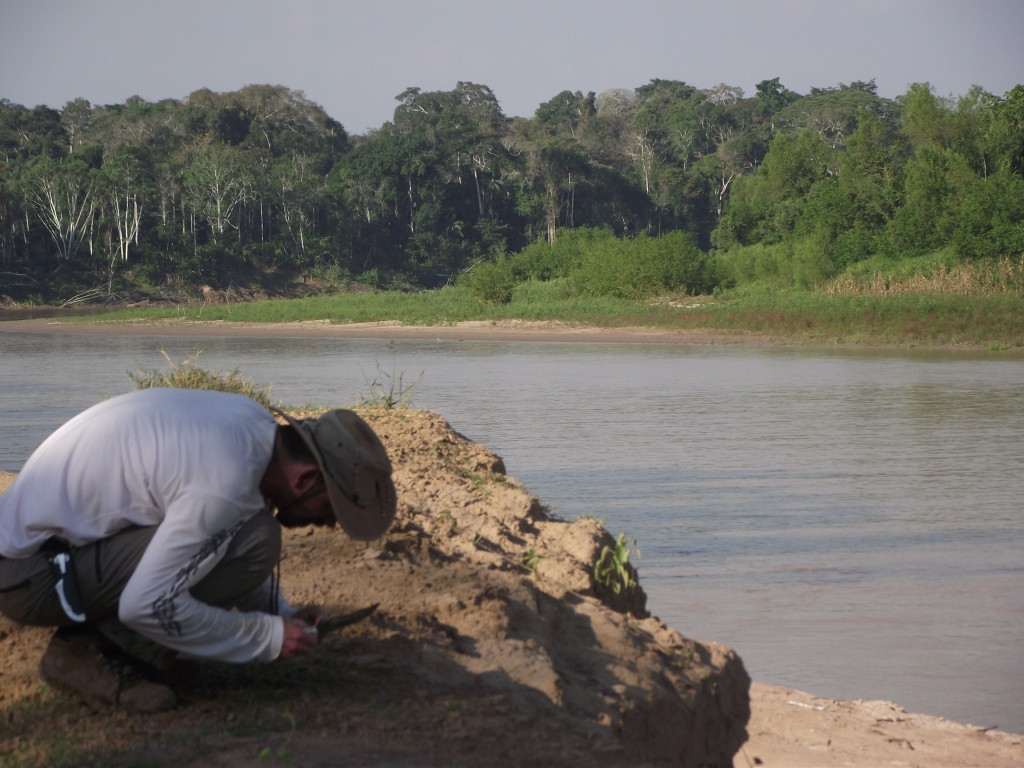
493 645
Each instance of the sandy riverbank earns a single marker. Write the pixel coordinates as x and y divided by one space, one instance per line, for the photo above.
475 330
470 330
799 730
493 645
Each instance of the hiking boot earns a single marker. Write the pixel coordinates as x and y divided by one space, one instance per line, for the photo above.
181 674
75 661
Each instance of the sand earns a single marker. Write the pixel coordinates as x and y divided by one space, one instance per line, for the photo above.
472 330
798 730
494 645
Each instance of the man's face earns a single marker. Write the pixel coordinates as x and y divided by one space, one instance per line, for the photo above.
311 509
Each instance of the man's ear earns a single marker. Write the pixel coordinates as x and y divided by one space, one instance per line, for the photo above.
302 477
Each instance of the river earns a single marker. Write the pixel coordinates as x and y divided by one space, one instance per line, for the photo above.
850 521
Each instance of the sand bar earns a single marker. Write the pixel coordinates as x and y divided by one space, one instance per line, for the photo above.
471 330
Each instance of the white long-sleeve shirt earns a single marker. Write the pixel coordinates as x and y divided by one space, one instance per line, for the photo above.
188 461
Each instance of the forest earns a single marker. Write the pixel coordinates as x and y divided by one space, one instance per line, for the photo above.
691 189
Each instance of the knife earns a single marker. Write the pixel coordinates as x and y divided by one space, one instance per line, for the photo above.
326 626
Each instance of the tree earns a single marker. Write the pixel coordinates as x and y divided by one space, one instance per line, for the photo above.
833 112
122 177
546 164
723 94
214 181
1007 132
566 111
298 189
432 185
61 193
26 133
76 117
772 96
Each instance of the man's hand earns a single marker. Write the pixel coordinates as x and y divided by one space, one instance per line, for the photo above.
311 614
297 642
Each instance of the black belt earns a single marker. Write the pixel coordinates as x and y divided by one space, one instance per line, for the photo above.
54 545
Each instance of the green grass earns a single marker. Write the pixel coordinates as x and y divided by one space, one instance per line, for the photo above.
188 375
531 301
906 267
902 319
783 314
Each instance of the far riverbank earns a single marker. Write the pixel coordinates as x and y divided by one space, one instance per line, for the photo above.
475 330
929 320
468 330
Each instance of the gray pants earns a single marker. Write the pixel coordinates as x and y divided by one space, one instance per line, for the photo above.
28 595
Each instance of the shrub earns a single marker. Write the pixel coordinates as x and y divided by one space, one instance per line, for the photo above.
537 292
548 261
491 281
800 262
991 220
640 267
369 278
594 262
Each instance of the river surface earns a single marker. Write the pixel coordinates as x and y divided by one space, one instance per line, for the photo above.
850 521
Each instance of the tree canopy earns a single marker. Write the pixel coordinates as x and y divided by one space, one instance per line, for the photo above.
230 187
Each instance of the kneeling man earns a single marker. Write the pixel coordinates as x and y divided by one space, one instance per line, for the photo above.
146 527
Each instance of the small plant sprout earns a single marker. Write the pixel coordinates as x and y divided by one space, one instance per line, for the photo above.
532 559
610 569
389 390
282 753
446 515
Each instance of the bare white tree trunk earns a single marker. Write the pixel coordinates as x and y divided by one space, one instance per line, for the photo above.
553 208
214 182
721 185
479 196
641 152
127 214
65 206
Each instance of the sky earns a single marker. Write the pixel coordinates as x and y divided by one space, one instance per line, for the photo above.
355 57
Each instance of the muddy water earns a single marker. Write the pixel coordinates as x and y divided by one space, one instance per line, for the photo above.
850 521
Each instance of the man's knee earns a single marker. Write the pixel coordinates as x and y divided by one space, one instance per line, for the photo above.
27 593
258 543
249 560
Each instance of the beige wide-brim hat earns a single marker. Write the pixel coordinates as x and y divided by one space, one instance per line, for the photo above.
356 470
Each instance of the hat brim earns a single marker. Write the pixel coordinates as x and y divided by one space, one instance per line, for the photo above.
361 523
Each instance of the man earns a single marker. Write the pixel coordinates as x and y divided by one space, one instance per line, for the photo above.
143 528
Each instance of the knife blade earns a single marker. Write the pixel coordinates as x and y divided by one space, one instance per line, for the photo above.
334 623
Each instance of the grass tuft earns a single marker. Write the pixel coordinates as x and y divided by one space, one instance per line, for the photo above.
388 390
1004 277
188 375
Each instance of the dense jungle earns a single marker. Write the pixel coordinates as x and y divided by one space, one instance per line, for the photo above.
262 193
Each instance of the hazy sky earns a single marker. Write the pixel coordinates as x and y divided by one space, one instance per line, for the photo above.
354 57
